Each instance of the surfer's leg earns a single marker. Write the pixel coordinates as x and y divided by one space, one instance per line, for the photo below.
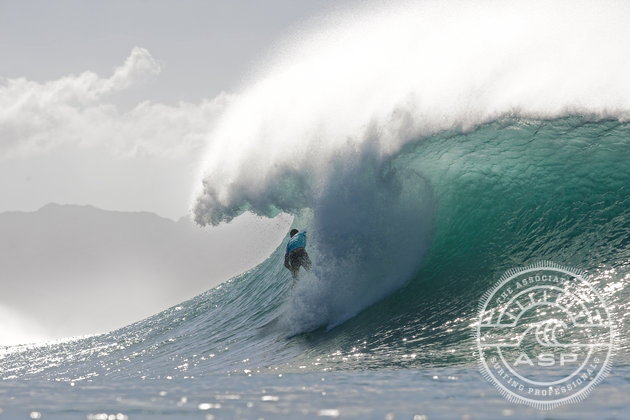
306 261
295 262
301 259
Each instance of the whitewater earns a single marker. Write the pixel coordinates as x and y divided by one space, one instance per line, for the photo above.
427 148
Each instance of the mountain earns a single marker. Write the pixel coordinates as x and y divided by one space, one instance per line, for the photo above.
77 270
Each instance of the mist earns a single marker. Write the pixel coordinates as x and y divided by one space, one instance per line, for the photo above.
78 270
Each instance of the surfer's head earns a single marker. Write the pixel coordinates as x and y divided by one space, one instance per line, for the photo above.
293 232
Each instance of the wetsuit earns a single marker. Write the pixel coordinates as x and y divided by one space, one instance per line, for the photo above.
296 256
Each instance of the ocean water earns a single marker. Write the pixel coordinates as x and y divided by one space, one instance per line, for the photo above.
509 193
422 174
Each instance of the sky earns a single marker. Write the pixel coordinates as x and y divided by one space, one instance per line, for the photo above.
110 103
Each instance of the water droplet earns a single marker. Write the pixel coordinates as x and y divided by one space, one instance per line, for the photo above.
328 412
208 406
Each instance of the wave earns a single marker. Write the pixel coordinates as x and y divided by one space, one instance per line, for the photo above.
455 142
340 128
468 207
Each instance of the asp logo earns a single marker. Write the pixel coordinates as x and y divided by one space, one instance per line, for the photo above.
544 335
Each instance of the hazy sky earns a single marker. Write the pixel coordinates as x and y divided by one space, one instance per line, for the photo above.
110 103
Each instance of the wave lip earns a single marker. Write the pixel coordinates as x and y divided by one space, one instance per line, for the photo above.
386 77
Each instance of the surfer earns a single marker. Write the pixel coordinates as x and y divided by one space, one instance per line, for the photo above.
296 256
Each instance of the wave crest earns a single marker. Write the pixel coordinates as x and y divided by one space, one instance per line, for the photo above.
383 78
